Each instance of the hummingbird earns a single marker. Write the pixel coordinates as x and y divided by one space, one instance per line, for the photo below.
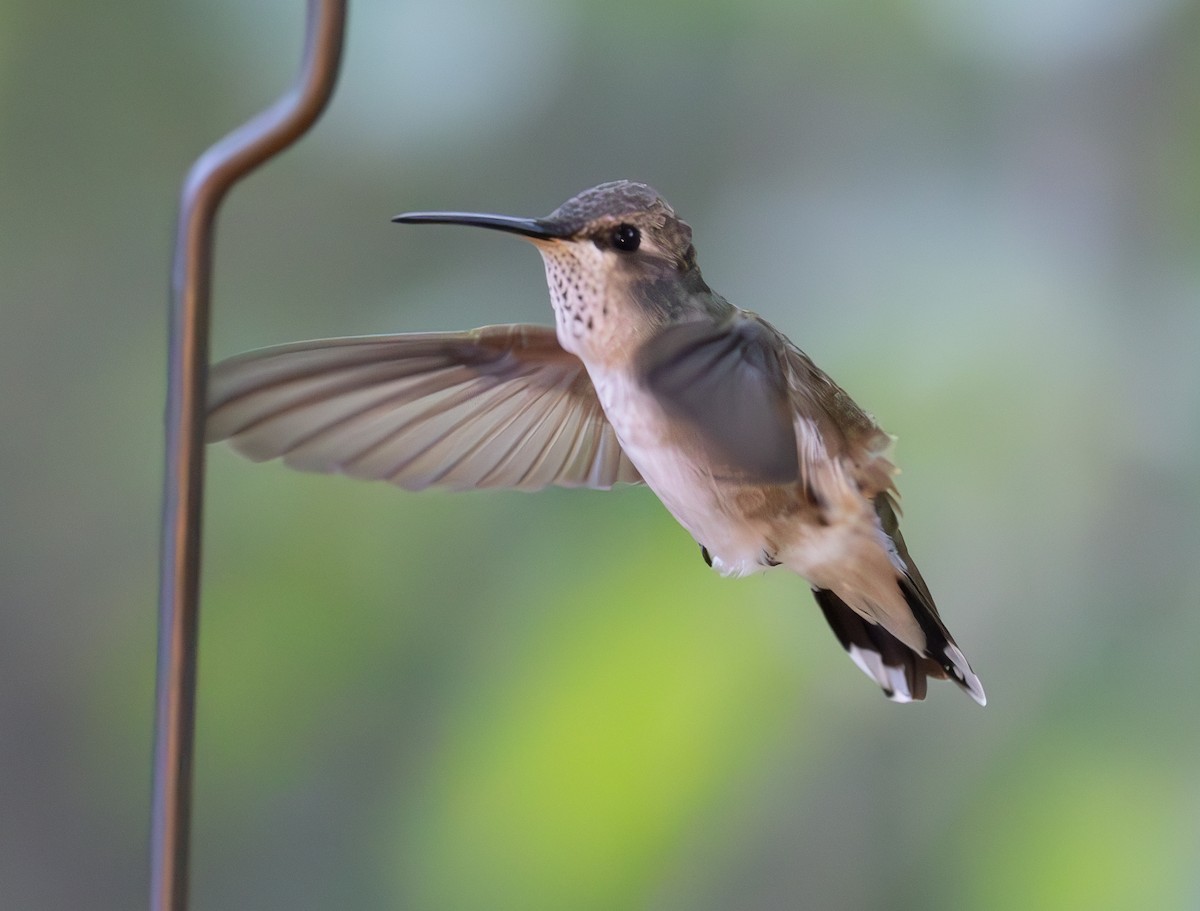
648 376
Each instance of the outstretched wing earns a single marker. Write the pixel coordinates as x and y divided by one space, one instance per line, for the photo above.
497 407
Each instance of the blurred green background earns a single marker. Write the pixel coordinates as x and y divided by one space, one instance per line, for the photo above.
983 219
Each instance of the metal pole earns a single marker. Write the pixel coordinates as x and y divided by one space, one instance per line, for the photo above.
209 180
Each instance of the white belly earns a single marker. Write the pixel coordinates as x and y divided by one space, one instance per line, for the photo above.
681 479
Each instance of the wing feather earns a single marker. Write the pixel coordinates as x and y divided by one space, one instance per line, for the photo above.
724 386
502 406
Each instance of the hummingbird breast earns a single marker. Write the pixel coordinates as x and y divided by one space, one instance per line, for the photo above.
731 519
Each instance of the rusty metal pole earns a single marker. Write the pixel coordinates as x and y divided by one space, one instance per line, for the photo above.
210 178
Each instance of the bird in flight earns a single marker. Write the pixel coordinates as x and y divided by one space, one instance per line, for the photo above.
647 377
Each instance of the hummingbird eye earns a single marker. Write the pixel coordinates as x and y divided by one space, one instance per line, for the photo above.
626 237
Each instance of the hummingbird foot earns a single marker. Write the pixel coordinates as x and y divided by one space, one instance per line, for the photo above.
706 555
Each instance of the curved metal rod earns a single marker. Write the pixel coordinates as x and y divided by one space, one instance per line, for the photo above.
209 180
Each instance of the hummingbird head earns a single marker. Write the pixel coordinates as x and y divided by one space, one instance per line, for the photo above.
619 263
625 217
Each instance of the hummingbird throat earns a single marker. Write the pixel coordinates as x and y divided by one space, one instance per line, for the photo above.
577 275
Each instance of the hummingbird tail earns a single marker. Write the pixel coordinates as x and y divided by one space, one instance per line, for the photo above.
940 647
901 671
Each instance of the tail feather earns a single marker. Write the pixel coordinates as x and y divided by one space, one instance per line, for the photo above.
939 644
901 672
899 669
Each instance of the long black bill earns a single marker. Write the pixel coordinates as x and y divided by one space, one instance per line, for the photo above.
526 227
